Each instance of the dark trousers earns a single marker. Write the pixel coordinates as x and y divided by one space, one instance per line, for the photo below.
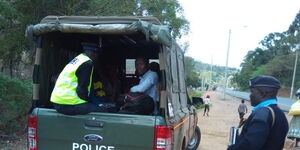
242 120
206 108
78 109
241 115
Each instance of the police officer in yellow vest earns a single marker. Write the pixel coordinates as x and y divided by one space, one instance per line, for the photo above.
71 93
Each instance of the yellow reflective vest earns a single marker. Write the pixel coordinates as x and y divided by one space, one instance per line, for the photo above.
64 91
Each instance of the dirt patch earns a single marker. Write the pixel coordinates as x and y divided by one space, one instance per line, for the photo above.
223 115
286 92
14 142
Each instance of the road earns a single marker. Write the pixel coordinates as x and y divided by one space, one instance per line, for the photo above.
283 102
223 114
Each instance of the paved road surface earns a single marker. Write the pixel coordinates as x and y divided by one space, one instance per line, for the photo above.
284 103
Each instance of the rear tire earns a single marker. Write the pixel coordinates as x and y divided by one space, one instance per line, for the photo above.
195 140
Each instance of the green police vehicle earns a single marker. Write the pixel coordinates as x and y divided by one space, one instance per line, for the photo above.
57 39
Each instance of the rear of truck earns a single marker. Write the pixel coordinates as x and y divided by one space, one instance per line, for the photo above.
49 130
57 40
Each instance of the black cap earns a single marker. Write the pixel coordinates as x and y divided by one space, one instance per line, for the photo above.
264 81
91 46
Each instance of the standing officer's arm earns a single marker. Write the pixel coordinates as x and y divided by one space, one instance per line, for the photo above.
257 132
83 74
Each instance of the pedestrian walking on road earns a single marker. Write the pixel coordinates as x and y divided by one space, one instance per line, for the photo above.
206 102
294 131
267 126
242 111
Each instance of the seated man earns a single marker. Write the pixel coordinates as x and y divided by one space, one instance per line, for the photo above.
71 93
148 80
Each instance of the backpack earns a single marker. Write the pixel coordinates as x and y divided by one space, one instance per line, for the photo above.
136 103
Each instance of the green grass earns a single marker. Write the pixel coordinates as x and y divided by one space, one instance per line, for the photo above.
199 107
195 93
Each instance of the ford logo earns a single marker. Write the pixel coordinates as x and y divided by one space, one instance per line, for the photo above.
93 138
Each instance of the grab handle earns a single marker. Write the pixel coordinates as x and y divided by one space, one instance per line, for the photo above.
94 124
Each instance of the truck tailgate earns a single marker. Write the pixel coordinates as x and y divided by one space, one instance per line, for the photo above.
95 131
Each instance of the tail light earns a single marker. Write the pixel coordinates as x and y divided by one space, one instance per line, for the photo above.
163 138
32 133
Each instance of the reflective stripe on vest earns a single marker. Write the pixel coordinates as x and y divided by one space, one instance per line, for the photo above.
64 91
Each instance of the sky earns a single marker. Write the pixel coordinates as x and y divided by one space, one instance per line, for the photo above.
249 21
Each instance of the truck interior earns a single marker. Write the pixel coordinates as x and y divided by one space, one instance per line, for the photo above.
116 60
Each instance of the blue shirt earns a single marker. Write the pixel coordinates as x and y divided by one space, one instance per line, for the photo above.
265 104
148 85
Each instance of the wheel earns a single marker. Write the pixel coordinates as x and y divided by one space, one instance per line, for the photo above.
195 141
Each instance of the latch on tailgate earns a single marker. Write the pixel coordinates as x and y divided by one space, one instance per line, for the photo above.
94 124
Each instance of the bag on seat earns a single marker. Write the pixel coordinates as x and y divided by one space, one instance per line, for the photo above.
136 103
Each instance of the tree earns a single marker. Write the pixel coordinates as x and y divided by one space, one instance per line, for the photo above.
282 68
169 12
17 14
261 70
192 76
11 31
197 71
275 57
276 44
8 15
294 29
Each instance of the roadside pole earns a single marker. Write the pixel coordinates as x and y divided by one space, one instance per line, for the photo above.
211 73
228 47
295 67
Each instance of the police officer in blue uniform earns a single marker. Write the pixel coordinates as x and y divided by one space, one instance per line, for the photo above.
267 126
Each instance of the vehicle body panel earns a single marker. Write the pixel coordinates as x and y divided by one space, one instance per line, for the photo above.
120 131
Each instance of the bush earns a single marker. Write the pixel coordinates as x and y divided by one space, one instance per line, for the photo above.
15 99
194 93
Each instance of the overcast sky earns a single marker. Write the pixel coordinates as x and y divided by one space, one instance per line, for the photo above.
249 20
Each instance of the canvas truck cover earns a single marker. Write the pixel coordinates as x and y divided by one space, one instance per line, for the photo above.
98 19
149 26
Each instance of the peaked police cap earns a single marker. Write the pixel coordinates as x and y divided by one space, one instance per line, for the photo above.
91 46
264 81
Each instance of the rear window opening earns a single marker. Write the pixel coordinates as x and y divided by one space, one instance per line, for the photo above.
118 58
130 67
